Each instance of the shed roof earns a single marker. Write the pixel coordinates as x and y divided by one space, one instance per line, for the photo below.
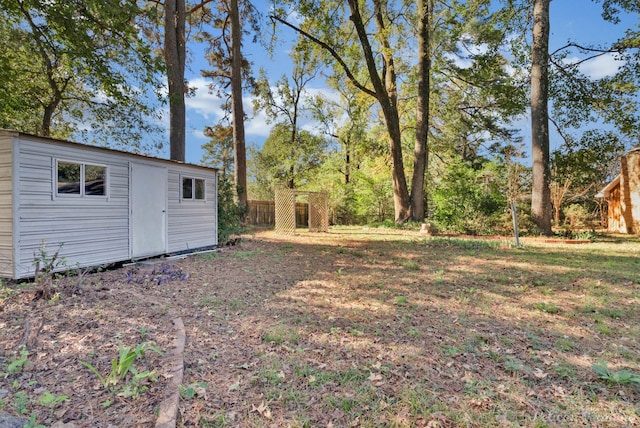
604 193
18 134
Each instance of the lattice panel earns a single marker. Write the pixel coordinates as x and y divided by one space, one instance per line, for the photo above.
285 211
318 212
285 207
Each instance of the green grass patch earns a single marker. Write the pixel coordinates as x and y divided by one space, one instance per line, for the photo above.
549 308
281 334
401 300
465 244
411 265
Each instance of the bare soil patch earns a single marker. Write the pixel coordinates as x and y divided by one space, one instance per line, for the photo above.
354 327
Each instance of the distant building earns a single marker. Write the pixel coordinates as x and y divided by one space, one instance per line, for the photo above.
623 196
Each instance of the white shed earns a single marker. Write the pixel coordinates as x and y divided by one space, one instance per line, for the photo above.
97 205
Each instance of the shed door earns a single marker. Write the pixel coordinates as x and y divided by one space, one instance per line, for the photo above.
148 210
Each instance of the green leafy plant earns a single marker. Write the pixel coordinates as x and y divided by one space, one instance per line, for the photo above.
33 422
137 385
193 390
16 365
50 400
468 200
230 213
20 401
45 267
123 365
5 291
621 376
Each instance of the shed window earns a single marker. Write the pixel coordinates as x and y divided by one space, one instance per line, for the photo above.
81 179
68 178
193 189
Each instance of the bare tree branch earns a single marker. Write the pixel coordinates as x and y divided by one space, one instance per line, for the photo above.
331 51
587 49
560 131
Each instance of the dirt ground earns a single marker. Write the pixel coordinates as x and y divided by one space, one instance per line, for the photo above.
280 330
89 319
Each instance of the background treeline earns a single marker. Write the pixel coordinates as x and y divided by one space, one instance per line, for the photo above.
420 118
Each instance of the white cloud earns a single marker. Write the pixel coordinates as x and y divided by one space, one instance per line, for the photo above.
199 134
599 67
257 125
204 109
204 103
326 93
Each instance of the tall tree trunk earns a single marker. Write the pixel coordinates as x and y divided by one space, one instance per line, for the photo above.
401 203
386 94
347 164
540 195
47 118
421 149
174 56
239 148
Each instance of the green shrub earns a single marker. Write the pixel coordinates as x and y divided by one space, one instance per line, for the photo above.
468 200
577 215
230 214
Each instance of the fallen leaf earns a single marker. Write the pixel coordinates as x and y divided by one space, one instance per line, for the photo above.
375 377
539 374
262 409
559 391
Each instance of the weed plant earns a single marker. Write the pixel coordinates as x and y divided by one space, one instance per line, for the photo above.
615 377
17 364
122 366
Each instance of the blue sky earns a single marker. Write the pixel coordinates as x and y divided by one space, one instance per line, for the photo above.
571 20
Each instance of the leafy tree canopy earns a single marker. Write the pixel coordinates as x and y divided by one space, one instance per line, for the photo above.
77 68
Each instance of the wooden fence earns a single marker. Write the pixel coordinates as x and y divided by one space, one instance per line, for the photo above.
263 213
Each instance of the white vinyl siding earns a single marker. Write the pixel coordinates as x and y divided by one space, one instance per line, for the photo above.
192 223
92 231
6 207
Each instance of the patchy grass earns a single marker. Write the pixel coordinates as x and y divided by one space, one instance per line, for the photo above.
386 328
399 330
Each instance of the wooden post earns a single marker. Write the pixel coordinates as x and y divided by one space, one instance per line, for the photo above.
514 216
